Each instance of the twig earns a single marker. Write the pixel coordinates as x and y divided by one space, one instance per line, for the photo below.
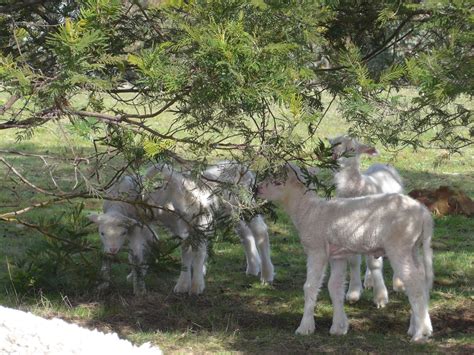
9 103
26 181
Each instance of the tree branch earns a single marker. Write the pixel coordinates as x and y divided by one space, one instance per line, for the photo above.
26 181
8 104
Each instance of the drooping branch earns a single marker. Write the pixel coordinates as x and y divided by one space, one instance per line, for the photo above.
33 121
8 104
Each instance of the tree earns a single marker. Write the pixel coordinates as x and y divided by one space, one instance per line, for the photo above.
237 76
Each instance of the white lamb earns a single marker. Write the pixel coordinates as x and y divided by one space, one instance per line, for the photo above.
24 333
185 206
190 207
391 224
124 221
350 182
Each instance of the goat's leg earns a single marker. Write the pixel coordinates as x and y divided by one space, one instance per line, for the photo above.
376 270
105 273
368 280
336 286
420 322
260 231
413 277
139 270
184 281
198 269
355 283
315 267
251 252
137 249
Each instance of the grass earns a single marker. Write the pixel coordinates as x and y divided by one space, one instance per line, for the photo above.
237 313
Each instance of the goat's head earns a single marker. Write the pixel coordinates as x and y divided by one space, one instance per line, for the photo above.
345 146
276 187
113 229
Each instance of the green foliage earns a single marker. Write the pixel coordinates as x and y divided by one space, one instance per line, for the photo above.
232 68
235 79
63 259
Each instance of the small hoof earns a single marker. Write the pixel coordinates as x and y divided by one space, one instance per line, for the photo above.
338 330
381 301
254 271
181 289
419 339
196 289
306 328
304 331
353 296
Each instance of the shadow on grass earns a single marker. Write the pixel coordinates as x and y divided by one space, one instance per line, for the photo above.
245 316
243 324
424 179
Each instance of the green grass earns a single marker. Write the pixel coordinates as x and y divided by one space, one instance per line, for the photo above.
237 313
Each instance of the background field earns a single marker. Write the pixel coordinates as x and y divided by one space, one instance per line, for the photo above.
236 313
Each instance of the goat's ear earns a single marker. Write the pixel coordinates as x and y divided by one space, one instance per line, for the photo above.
313 170
369 150
293 172
129 222
94 217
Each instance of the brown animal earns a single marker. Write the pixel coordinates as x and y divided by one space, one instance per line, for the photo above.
445 201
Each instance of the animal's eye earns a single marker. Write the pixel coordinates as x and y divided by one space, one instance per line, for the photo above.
277 183
102 233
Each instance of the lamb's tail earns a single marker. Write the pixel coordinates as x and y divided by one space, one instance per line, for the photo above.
427 234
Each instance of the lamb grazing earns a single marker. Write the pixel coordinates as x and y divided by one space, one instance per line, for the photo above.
188 206
350 182
122 221
391 224
27 334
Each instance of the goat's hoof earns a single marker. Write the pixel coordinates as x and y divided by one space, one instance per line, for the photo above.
306 327
353 295
254 271
303 331
419 338
181 288
381 300
420 335
339 329
368 282
196 289
267 277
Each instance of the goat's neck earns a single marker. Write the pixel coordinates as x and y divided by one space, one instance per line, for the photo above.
351 166
294 202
